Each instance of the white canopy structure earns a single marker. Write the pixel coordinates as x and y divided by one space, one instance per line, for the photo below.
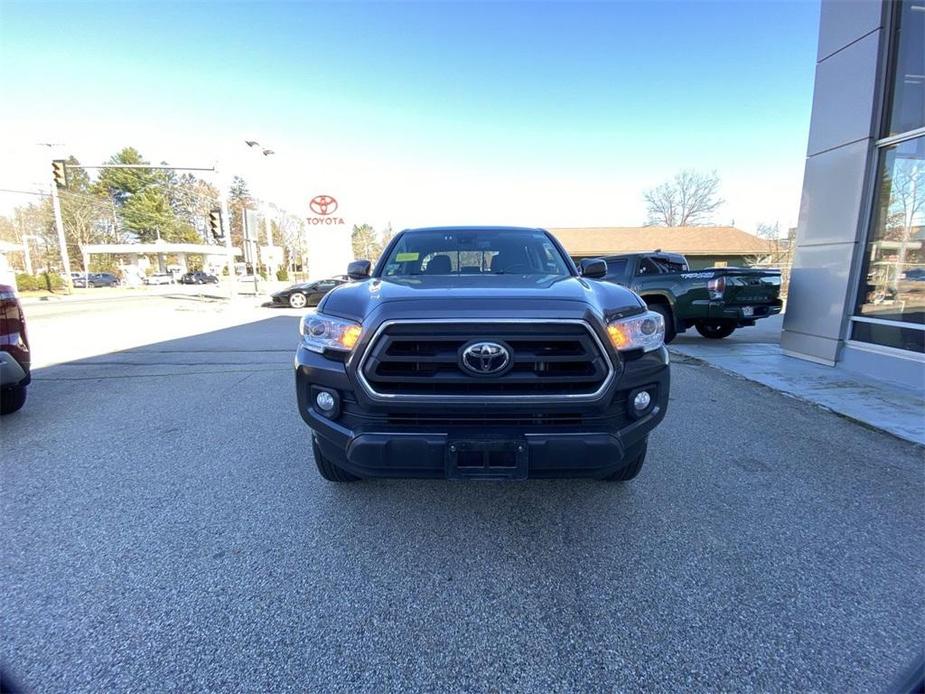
159 248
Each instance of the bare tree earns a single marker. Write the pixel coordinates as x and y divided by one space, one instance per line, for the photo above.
292 231
906 203
87 219
779 254
387 235
365 243
688 199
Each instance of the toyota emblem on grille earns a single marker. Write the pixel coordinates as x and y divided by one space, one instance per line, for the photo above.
485 358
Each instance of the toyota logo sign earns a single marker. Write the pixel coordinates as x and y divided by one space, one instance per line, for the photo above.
323 205
486 358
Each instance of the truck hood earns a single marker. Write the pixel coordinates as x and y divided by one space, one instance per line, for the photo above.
493 293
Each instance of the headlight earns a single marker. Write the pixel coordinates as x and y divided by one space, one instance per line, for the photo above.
320 332
645 331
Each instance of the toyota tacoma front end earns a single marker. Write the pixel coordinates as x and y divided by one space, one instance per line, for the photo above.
480 353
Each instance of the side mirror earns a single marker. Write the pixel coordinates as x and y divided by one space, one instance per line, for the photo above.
592 268
359 269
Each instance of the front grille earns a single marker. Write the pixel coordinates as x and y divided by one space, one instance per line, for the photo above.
520 420
549 358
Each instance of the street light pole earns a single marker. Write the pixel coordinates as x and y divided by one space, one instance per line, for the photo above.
265 207
59 225
229 254
62 241
223 182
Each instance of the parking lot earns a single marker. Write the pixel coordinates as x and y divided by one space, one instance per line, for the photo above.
165 528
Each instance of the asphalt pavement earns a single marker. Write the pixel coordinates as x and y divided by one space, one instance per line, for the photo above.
869 397
164 528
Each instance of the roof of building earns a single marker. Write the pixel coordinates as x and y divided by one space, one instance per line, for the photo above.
158 247
592 241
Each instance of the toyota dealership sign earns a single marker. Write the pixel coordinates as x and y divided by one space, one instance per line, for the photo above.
329 250
324 207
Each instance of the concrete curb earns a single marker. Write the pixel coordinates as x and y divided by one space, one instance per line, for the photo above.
874 404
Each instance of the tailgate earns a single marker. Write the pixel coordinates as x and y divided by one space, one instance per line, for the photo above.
750 287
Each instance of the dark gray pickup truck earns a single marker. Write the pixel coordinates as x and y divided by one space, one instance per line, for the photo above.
715 301
480 353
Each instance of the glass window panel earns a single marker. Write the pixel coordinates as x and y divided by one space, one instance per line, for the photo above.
893 282
887 335
647 267
907 105
616 269
475 251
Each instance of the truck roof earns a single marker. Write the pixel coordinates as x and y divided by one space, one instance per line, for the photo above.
648 254
453 229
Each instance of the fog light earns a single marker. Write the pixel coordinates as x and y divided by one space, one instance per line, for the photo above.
642 400
325 401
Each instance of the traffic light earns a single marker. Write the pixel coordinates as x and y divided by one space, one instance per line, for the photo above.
59 173
215 224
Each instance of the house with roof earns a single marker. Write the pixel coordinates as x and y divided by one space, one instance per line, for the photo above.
703 246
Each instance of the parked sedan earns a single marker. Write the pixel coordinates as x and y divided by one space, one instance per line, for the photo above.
159 278
306 293
97 279
15 373
198 278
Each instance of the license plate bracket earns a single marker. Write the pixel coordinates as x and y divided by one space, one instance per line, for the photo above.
487 459
748 311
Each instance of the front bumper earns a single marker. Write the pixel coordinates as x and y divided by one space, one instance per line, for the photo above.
12 373
739 314
589 439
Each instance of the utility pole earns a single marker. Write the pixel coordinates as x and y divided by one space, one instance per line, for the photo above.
251 245
27 256
62 241
229 254
269 229
26 251
222 183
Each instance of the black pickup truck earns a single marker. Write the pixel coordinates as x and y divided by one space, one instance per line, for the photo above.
480 353
715 300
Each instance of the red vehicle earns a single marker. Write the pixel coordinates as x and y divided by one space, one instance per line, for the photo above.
15 372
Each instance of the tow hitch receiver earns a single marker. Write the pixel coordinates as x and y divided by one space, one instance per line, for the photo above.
489 459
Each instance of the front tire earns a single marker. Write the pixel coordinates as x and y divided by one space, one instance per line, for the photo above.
633 465
12 399
297 300
715 329
329 470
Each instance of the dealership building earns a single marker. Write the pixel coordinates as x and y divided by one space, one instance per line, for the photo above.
703 246
857 290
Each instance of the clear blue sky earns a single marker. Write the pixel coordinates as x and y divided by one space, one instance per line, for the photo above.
622 90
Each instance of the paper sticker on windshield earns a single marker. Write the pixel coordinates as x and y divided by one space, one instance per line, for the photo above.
407 257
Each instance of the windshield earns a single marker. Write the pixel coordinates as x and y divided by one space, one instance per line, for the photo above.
474 252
